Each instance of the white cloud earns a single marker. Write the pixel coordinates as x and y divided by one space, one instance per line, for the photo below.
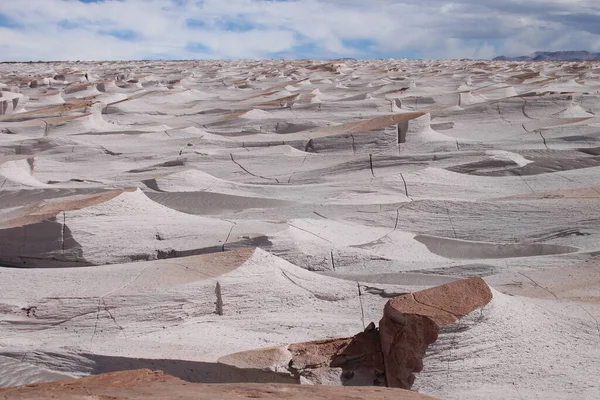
134 29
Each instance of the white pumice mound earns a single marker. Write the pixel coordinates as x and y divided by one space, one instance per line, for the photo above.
166 309
518 346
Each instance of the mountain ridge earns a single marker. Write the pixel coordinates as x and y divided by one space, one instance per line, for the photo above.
571 55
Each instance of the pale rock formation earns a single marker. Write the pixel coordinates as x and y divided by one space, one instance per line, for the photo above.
501 182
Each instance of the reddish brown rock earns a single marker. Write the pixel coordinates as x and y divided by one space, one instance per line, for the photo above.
146 384
388 356
404 340
411 322
355 361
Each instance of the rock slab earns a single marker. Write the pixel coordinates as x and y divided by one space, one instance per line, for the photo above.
411 323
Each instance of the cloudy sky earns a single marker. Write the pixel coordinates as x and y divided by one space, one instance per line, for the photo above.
221 29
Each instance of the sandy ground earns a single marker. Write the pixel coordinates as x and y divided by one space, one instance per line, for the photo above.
131 202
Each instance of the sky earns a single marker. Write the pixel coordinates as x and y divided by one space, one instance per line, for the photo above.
44 30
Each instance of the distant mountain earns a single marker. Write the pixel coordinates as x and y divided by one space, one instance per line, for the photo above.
554 56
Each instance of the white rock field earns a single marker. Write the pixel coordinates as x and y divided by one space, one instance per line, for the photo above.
164 215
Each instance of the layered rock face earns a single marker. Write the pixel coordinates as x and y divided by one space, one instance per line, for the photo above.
145 384
411 323
388 356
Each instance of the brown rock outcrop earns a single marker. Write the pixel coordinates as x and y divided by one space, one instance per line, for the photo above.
411 323
388 356
355 361
145 384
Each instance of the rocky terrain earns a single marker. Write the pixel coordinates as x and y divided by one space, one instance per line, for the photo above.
431 225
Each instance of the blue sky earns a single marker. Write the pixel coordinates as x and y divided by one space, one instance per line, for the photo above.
225 29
